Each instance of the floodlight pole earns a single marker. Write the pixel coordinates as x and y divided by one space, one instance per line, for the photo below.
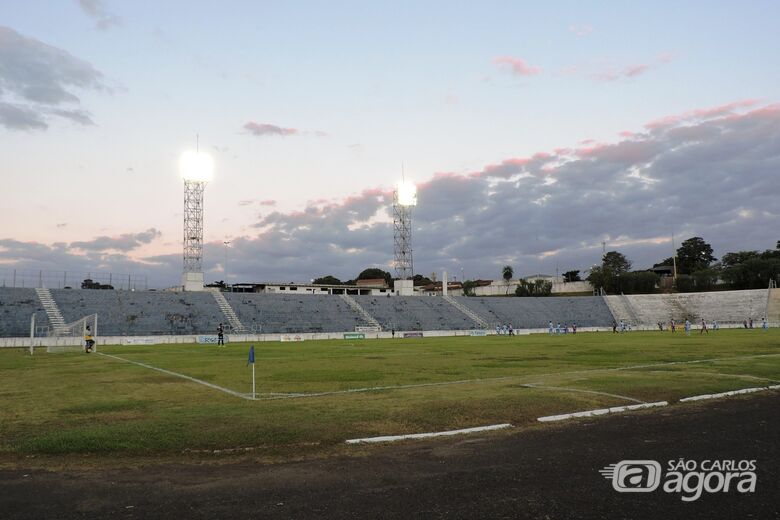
226 242
402 239
192 274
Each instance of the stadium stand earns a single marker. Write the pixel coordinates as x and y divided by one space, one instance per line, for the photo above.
138 313
536 313
287 313
414 313
135 313
724 306
773 306
17 305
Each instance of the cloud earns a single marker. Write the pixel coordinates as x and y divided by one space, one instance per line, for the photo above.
581 30
609 74
20 117
96 9
38 81
266 129
709 172
517 66
126 242
269 130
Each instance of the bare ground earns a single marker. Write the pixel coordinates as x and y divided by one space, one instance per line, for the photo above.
548 473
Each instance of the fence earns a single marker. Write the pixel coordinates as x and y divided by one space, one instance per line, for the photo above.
73 279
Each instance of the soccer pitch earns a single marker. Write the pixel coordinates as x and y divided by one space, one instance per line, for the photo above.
314 395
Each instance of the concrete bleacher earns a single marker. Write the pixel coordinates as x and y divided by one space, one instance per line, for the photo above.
724 306
138 313
536 313
414 313
288 313
17 305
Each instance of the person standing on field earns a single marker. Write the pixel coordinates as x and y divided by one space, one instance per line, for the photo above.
703 327
220 335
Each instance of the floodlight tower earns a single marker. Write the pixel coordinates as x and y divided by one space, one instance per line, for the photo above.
196 170
404 199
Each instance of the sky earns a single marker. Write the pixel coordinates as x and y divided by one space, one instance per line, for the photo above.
536 132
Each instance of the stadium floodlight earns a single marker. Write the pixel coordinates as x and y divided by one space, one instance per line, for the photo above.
197 169
404 198
407 193
196 166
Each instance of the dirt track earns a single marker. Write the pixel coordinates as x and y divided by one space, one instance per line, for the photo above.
543 473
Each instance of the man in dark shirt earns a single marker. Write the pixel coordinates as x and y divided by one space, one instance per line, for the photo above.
220 335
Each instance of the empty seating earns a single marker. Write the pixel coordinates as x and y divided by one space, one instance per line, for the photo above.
536 313
17 305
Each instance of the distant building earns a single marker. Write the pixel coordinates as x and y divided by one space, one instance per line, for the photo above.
368 287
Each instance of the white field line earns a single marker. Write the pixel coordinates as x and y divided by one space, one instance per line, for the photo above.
601 411
503 378
294 395
729 394
567 389
188 378
393 438
716 374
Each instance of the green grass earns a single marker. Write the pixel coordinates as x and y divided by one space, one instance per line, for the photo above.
64 404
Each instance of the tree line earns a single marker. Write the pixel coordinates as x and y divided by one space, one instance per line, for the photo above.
697 270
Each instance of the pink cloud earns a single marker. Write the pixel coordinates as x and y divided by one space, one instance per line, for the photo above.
635 70
264 129
631 71
268 202
517 65
700 114
581 30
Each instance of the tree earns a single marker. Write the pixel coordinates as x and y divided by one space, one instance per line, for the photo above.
754 273
599 278
616 262
507 273
373 273
638 282
421 280
694 254
534 288
740 257
327 280
665 262
468 288
571 276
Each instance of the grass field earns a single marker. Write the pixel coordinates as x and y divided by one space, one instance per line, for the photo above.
75 404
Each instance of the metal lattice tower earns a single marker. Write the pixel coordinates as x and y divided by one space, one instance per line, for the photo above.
402 239
193 227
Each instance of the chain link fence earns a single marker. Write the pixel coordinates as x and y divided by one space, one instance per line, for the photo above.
72 279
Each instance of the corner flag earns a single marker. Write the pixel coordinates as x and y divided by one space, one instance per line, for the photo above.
252 360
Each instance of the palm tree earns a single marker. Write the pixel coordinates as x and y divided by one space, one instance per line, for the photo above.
507 273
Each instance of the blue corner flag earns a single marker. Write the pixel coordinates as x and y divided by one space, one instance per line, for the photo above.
251 355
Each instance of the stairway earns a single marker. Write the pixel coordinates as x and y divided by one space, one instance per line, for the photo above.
52 311
349 300
235 324
631 312
618 307
468 312
773 306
